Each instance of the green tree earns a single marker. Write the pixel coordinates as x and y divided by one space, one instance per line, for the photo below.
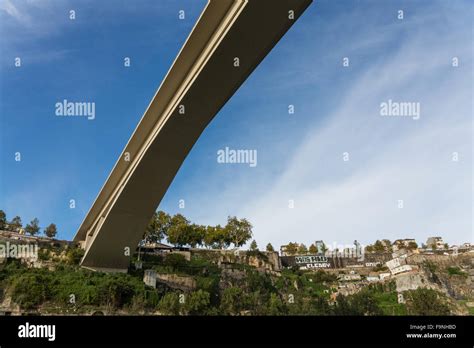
179 230
302 250
270 248
379 246
3 219
215 237
412 246
16 224
313 249
51 231
158 227
253 246
33 227
291 248
238 231
197 234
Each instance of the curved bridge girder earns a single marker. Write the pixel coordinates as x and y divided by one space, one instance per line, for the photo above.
202 79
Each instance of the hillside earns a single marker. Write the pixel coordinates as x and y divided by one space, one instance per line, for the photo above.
245 285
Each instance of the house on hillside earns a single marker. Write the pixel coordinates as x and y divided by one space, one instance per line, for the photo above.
435 243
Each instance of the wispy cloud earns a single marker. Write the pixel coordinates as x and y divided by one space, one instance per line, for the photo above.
391 159
9 8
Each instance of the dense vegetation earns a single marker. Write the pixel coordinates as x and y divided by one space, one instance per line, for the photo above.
242 291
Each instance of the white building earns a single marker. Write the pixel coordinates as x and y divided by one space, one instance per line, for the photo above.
401 269
435 243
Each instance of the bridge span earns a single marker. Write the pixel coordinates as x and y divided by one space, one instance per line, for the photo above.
229 40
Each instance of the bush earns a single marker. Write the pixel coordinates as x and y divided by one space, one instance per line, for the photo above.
232 301
426 302
362 303
30 290
197 302
169 304
453 271
74 255
175 261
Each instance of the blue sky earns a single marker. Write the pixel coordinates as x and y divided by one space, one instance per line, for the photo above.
300 156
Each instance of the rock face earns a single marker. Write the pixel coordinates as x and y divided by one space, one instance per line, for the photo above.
8 307
411 281
262 260
178 282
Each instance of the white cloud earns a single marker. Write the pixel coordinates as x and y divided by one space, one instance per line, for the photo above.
12 10
391 158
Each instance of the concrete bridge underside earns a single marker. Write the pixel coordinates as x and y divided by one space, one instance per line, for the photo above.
202 79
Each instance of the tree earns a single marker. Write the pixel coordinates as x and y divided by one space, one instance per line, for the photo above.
253 246
379 246
412 246
158 227
197 234
238 231
51 231
270 248
302 250
291 248
322 248
16 224
3 219
33 227
388 245
179 230
215 237
313 249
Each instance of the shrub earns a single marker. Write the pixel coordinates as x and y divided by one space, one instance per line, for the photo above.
169 304
453 271
426 302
